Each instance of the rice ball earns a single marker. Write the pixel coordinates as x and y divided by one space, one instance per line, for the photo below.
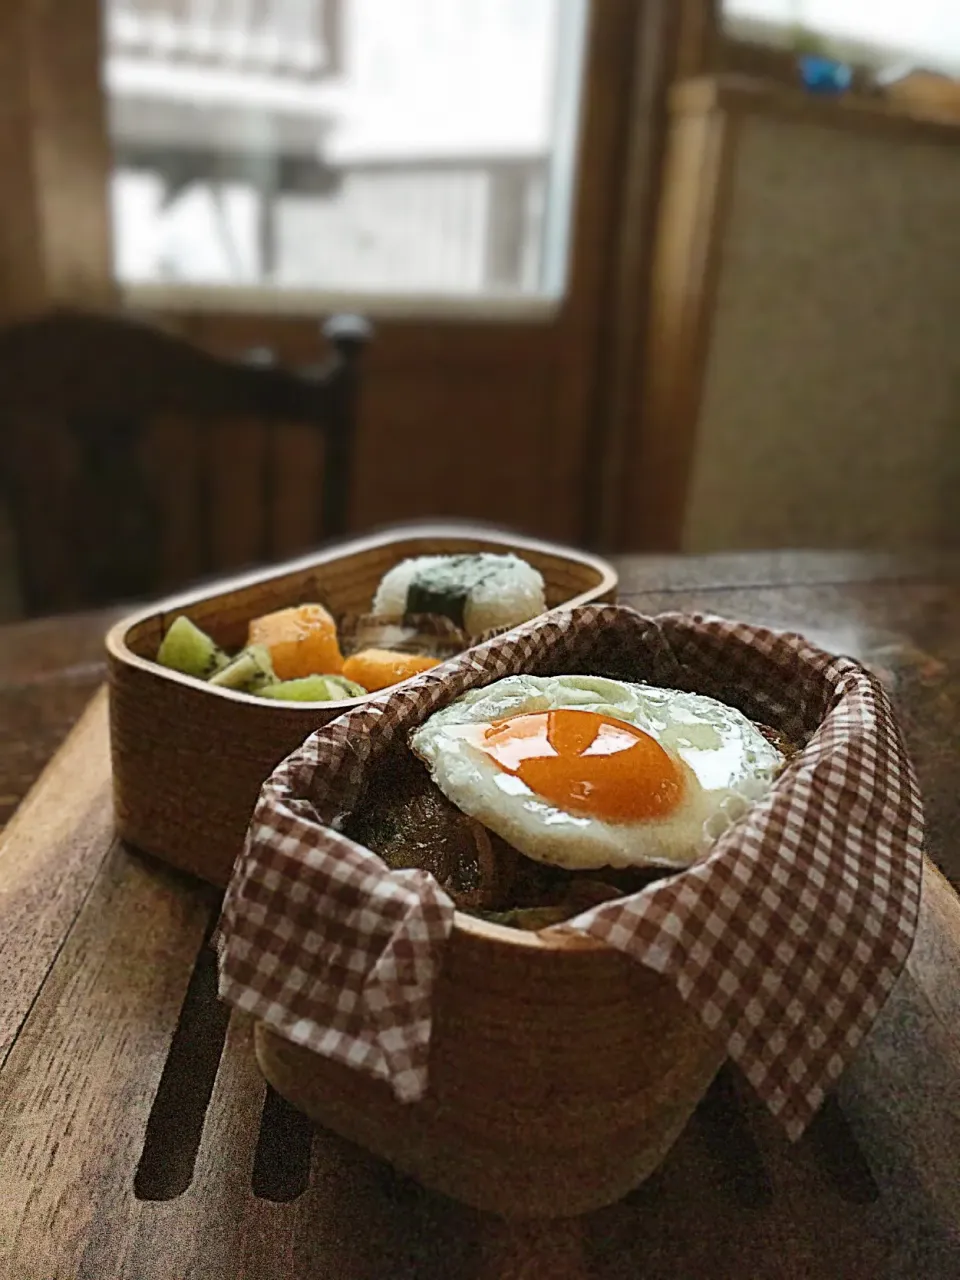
480 593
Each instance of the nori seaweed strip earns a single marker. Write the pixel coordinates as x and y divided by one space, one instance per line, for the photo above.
425 599
445 589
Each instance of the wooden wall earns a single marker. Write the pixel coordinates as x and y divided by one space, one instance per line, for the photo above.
54 158
455 420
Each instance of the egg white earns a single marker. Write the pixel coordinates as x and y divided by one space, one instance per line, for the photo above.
727 765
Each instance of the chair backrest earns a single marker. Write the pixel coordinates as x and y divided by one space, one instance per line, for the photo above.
136 463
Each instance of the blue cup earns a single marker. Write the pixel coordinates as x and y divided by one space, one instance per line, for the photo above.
824 75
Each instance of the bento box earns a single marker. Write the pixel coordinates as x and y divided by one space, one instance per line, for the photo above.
561 1074
547 1073
189 759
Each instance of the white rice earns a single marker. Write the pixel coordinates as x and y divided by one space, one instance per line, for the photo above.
510 592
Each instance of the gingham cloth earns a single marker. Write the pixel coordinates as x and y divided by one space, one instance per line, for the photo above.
785 938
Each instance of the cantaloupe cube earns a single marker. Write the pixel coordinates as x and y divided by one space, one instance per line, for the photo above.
302 641
380 668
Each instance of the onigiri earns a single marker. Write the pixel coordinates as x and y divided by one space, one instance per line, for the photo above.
480 593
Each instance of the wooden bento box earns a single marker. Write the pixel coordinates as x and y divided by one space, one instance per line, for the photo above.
561 1073
189 760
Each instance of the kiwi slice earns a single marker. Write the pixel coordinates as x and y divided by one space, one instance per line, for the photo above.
187 649
347 688
250 671
313 689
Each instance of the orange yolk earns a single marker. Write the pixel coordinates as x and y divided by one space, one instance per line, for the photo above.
584 763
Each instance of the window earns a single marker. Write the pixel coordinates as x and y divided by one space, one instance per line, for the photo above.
393 146
874 32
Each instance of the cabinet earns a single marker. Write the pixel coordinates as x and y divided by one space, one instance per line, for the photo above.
802 377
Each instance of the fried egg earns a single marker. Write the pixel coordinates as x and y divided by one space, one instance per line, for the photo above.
585 772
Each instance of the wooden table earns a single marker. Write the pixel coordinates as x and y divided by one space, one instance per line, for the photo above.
137 1140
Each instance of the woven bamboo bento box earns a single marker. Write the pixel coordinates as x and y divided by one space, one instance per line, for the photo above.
547 1075
189 760
561 1073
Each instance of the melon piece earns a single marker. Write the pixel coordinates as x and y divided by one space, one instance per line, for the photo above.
302 641
380 668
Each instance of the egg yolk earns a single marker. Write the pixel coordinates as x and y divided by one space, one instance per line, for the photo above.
585 763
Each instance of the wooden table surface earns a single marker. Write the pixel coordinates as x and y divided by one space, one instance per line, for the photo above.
134 1143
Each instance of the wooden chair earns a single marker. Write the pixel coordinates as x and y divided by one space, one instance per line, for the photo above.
136 463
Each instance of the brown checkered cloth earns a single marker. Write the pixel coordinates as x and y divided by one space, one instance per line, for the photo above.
785 937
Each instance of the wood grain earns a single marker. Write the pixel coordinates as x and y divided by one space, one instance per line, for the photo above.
36 718
693 205
661 42
700 37
732 1200
569 430
55 230
49 855
356 1221
936 952
208 1224
77 1086
903 1092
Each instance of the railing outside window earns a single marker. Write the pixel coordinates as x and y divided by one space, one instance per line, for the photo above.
392 146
